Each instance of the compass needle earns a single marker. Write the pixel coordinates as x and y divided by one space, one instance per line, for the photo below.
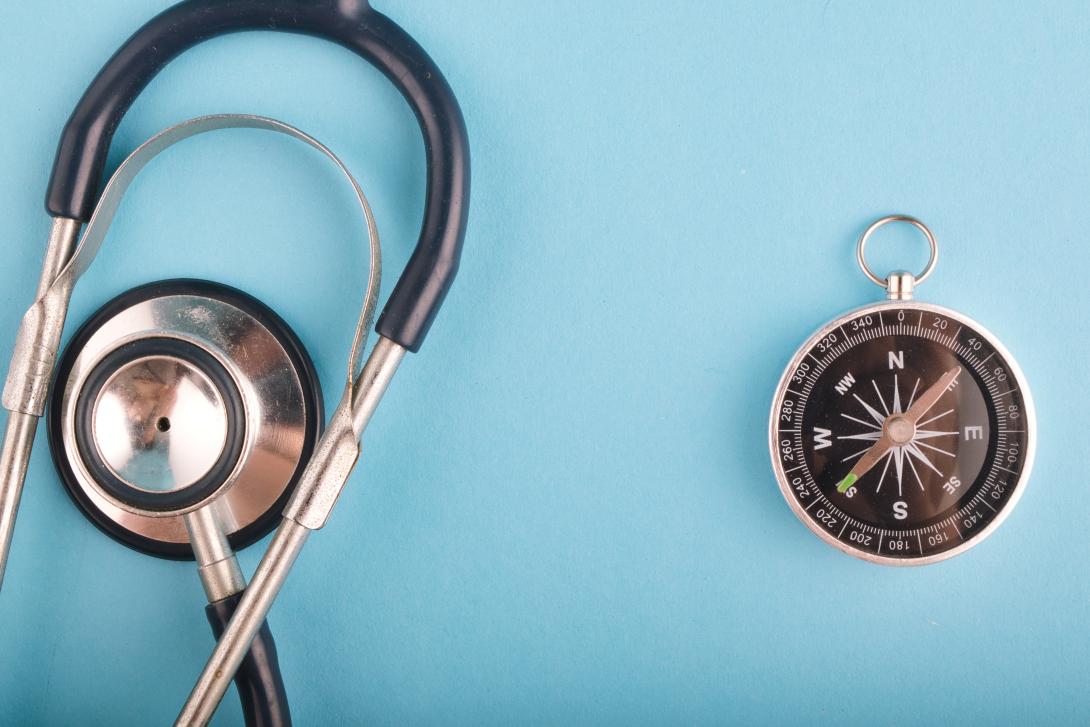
930 397
870 458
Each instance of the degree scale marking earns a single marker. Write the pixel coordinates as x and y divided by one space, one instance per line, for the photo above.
869 333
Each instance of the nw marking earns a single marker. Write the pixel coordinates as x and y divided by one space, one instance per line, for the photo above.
845 384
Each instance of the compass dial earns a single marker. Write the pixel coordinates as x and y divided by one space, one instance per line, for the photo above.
902 433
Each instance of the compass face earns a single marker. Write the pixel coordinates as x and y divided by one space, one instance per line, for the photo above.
902 433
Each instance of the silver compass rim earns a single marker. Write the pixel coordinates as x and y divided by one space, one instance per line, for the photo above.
1020 483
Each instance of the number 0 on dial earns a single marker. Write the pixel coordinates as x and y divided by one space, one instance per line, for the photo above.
902 433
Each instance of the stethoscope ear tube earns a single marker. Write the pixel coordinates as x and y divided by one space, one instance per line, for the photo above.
258 679
85 143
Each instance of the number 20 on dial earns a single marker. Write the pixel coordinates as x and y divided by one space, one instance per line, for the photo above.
903 432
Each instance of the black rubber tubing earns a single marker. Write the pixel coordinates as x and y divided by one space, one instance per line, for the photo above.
85 142
258 681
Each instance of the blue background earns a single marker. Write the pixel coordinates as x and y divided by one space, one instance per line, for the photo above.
566 512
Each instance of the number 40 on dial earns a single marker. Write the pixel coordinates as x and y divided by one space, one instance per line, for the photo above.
902 432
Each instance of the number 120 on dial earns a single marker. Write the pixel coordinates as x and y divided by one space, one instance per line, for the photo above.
902 433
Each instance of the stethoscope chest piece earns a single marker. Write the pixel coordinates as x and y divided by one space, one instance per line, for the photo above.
176 396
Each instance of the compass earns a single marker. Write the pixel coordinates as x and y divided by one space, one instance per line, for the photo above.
902 432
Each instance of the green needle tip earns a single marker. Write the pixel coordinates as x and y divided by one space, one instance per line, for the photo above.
846 483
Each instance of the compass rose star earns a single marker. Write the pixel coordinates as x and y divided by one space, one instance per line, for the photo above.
897 435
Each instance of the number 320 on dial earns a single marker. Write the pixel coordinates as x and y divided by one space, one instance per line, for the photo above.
902 433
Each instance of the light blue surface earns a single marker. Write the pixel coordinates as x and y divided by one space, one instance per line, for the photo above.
565 513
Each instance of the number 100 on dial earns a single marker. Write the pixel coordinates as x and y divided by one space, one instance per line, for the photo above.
902 433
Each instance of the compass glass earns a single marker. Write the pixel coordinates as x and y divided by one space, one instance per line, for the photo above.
902 433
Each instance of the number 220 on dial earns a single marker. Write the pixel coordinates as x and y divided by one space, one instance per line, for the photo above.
902 433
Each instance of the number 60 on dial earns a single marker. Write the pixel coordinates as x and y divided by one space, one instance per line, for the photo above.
903 432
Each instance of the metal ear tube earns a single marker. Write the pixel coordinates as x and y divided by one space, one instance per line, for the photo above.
27 384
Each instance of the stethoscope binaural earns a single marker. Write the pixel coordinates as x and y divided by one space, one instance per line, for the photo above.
196 387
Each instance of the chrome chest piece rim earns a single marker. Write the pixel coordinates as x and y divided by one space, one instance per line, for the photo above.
178 395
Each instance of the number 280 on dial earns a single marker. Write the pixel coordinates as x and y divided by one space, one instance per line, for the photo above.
902 433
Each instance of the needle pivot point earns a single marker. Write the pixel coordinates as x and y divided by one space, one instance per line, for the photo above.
901 429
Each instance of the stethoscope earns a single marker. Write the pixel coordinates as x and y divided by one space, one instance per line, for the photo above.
185 415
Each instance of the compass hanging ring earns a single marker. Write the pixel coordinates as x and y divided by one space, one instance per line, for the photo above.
898 284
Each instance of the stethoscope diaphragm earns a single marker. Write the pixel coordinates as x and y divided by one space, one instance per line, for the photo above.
180 395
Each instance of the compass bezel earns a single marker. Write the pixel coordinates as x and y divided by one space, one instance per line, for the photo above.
1019 483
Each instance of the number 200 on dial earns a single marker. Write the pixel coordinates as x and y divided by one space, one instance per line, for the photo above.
902 433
